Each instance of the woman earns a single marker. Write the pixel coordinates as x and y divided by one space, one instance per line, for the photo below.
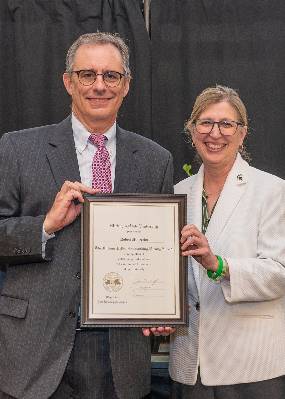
234 347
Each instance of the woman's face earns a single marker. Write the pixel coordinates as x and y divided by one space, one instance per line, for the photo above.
214 148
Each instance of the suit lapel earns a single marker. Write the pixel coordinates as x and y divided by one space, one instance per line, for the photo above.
126 174
61 153
231 195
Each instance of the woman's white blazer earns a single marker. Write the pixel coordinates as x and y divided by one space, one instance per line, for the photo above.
236 330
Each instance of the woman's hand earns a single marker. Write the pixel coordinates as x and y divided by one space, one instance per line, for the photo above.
195 244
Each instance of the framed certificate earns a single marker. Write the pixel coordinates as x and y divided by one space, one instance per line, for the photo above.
133 273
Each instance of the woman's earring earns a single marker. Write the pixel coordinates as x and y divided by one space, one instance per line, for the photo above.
192 144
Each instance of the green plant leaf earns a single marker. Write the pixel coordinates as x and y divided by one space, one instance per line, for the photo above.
187 169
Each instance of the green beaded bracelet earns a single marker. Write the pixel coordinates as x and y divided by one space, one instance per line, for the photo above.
218 272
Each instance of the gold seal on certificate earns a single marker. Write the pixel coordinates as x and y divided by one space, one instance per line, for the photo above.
112 282
133 273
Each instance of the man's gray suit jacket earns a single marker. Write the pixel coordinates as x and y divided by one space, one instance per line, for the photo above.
40 298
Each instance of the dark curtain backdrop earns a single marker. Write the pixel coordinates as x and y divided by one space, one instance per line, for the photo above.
238 43
194 44
35 36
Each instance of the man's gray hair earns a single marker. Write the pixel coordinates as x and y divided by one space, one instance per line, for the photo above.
99 38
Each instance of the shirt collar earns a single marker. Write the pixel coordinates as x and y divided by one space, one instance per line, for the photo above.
81 134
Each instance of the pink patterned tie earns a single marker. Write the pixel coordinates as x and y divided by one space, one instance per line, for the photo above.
101 165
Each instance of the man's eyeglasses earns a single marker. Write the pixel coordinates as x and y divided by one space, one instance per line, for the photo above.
226 127
88 77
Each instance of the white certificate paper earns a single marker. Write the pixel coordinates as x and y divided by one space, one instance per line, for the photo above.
134 261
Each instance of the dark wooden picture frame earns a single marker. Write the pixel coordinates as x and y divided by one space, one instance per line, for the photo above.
173 204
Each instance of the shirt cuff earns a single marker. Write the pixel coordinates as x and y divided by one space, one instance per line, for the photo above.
45 238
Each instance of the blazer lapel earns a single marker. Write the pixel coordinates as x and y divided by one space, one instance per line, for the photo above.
61 153
126 173
230 196
194 209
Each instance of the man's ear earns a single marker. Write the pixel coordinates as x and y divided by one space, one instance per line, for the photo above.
126 86
67 82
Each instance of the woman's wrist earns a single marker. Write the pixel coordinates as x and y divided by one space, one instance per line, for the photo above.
221 271
212 265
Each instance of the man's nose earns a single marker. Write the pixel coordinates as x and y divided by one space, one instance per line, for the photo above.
99 83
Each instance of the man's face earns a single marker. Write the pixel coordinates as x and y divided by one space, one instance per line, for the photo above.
97 105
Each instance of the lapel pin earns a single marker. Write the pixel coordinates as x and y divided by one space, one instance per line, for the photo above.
240 178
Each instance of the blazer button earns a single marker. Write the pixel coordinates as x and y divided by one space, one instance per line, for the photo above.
197 306
77 275
72 314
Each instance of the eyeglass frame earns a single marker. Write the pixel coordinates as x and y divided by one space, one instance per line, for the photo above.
99 74
218 124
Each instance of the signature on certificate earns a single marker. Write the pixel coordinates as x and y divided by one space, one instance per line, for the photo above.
148 287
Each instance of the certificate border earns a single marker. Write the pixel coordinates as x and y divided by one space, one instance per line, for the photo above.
88 322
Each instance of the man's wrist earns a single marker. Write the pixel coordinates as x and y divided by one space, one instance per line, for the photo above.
47 228
46 235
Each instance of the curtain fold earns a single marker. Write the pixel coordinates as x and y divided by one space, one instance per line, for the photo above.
37 34
8 71
194 44
237 43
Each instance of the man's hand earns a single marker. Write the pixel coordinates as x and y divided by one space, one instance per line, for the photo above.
67 206
158 331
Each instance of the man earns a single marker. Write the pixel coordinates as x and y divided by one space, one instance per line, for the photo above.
44 173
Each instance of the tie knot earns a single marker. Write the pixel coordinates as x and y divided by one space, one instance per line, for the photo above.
98 139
